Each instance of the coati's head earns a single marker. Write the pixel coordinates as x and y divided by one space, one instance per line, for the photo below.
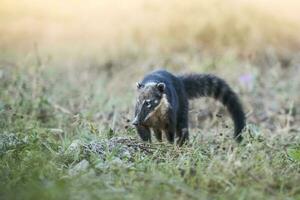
151 98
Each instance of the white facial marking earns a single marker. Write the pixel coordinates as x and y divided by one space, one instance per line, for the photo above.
150 84
162 107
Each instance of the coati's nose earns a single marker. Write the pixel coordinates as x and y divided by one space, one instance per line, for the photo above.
135 122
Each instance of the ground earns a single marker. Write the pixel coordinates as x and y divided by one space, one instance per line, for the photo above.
69 136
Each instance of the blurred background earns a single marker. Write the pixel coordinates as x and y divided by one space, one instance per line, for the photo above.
85 56
97 27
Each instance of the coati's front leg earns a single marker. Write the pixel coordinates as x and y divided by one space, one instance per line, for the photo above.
170 134
144 133
170 125
158 134
170 130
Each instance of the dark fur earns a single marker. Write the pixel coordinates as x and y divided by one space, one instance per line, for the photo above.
178 90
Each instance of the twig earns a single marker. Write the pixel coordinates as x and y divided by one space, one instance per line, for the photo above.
60 108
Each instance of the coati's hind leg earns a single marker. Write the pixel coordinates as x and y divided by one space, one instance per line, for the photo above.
158 134
144 133
184 136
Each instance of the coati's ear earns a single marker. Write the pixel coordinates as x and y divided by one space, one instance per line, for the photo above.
139 85
161 87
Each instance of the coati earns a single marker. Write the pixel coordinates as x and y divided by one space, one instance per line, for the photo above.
162 104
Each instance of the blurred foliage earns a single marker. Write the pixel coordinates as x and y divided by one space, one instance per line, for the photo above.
94 28
294 153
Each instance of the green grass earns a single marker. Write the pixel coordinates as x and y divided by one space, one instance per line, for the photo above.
50 114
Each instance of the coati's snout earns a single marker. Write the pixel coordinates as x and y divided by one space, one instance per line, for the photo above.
149 97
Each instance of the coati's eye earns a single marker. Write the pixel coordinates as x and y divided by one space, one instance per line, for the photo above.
139 85
148 103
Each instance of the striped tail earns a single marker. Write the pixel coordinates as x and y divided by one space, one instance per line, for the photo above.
207 85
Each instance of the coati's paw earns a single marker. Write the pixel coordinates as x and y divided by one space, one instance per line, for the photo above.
144 133
183 139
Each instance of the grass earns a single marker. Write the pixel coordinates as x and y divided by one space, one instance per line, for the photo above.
50 115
